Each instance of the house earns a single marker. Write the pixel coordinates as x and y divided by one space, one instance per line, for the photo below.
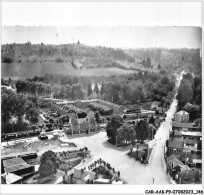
182 116
181 126
175 146
81 176
176 133
18 167
174 166
189 177
192 135
81 126
191 158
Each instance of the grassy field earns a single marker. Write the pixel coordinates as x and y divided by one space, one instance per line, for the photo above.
26 70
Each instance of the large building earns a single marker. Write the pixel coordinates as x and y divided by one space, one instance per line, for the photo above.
182 116
58 106
18 167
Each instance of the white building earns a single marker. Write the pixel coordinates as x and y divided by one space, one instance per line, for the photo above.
182 116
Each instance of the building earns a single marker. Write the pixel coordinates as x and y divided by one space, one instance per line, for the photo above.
192 135
81 176
81 126
189 177
182 126
58 106
174 166
176 133
175 146
18 167
182 116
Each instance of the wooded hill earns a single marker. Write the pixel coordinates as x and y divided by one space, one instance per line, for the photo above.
83 56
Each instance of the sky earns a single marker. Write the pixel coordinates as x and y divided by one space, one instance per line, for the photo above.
65 17
101 13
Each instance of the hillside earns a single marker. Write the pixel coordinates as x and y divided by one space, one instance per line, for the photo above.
29 60
80 55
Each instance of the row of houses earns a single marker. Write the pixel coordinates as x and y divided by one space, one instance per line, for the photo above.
83 104
183 152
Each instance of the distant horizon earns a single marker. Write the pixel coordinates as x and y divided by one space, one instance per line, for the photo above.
105 36
132 48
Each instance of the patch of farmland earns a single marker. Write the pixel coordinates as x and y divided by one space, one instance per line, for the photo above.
26 70
20 70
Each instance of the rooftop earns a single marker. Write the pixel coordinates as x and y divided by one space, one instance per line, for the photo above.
175 162
188 175
12 178
84 175
13 161
15 164
182 125
192 133
171 157
182 112
176 143
185 168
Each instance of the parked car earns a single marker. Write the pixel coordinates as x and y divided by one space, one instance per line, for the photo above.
43 137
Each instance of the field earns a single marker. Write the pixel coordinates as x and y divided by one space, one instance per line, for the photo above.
26 70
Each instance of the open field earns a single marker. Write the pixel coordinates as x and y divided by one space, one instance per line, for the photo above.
26 70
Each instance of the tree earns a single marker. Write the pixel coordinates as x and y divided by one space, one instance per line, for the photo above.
96 89
48 164
193 111
47 169
32 115
147 87
148 63
126 134
112 126
103 89
151 120
97 116
164 80
142 129
77 91
89 89
185 93
113 91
